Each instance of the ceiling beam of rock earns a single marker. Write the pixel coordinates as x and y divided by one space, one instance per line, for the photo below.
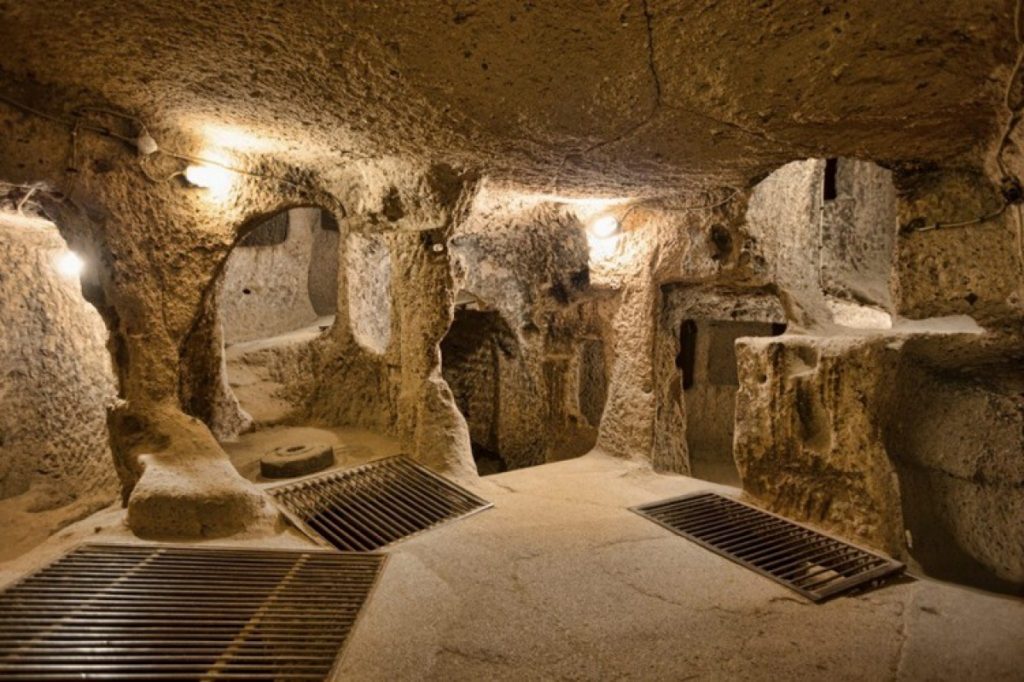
561 96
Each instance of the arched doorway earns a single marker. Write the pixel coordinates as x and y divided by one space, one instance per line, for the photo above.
281 277
478 354
707 365
279 288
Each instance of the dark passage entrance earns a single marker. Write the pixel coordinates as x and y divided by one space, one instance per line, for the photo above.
472 355
707 363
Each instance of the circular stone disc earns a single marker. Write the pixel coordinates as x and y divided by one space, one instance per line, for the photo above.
289 461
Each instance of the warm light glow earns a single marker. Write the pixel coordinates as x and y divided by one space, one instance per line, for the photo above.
604 226
214 178
603 237
494 197
602 249
858 316
239 139
69 264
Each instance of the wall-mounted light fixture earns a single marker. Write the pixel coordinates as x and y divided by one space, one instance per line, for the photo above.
69 264
603 236
603 226
213 178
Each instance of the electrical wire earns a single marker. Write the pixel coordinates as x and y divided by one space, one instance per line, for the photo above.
964 223
105 132
1015 111
78 111
76 124
723 202
28 195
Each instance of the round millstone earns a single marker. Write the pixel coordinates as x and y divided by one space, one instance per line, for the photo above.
289 461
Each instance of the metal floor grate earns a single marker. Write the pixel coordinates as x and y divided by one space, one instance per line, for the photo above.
147 612
814 564
374 505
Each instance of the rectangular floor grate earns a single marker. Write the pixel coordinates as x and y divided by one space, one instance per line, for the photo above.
814 564
373 505
151 612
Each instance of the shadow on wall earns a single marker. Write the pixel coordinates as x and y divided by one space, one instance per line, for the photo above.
593 381
956 447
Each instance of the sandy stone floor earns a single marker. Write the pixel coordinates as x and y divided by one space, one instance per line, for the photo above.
559 581
352 447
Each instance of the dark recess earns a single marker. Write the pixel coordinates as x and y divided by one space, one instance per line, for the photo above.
831 172
687 351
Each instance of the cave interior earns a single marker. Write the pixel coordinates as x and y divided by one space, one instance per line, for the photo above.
574 257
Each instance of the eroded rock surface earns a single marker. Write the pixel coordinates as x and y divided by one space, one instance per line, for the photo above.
779 164
57 382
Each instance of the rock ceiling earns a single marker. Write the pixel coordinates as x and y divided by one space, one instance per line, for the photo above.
560 95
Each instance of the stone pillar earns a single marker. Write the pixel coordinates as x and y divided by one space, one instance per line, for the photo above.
429 423
627 427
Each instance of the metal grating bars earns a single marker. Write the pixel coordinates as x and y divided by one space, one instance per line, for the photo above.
814 564
148 612
373 505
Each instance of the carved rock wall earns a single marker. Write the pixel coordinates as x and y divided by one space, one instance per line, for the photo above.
56 381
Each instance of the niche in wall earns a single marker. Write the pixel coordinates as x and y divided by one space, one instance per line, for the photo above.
368 289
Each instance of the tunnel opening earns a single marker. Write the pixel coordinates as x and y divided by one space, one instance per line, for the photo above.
289 366
592 386
709 379
475 353
57 381
278 290
857 226
281 277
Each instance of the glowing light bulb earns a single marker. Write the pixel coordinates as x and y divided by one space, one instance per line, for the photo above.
604 227
213 178
69 264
